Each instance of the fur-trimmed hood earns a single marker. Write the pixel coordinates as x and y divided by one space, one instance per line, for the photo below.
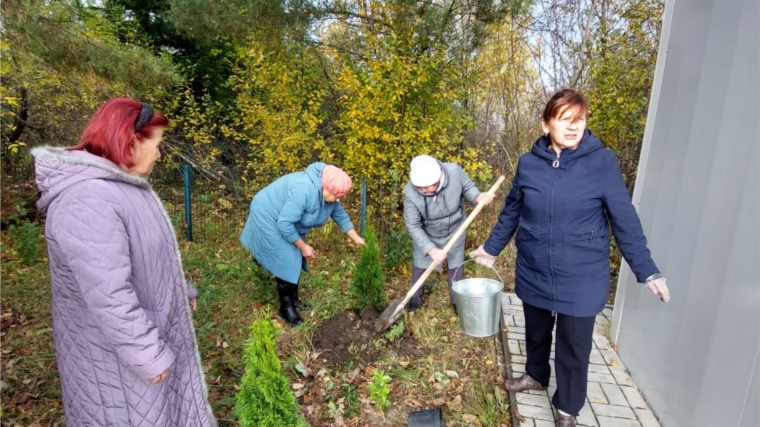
57 169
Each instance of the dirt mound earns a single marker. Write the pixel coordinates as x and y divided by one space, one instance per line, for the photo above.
348 335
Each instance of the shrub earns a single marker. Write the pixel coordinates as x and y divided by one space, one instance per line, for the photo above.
265 399
368 282
25 235
397 248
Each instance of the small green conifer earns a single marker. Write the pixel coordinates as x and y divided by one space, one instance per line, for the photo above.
265 399
369 280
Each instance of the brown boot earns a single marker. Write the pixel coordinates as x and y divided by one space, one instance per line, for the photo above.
564 420
523 383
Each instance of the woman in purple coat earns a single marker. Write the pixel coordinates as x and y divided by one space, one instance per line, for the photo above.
122 323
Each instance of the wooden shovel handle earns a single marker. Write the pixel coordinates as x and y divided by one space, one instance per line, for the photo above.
450 243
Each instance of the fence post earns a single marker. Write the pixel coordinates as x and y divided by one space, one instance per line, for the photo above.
364 206
188 203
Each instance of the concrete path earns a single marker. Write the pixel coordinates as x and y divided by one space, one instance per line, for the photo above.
613 399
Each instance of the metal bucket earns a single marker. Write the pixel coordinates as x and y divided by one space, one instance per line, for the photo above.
479 305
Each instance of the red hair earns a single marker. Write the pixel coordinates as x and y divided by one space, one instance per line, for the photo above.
561 101
110 131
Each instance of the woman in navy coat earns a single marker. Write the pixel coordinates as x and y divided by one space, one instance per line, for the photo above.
567 193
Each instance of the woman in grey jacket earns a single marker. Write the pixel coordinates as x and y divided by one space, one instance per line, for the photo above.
433 210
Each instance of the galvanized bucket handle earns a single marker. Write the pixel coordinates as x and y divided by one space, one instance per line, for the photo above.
473 259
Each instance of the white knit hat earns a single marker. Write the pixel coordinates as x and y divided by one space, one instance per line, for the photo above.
426 171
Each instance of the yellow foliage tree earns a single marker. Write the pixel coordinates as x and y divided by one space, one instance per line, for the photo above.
278 102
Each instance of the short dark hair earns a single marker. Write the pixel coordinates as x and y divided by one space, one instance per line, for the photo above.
565 98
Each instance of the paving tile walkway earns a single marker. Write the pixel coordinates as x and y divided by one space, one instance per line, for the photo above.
612 399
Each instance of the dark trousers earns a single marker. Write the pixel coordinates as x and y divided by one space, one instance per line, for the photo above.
454 275
571 354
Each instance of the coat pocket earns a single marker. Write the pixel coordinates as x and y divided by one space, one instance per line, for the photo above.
527 242
583 247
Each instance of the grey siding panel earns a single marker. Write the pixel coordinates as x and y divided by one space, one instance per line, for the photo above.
751 406
698 195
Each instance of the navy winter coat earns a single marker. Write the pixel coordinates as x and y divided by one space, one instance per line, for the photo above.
561 207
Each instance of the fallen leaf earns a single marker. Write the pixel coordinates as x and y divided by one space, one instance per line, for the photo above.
456 403
598 400
439 402
489 362
416 402
471 418
224 344
302 369
321 372
297 386
452 374
613 363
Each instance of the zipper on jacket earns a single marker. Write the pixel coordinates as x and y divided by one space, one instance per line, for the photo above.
555 165
592 237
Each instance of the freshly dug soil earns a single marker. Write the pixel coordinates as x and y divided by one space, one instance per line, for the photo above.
349 335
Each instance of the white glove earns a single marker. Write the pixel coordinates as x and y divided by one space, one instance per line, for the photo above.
437 255
482 257
658 285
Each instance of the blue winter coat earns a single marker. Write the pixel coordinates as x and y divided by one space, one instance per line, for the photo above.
561 207
285 211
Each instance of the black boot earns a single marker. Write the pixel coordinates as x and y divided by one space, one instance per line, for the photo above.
287 308
297 302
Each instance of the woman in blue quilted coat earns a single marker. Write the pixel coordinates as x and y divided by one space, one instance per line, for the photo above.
283 213
122 320
567 193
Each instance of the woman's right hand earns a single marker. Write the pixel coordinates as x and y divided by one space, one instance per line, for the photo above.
438 255
160 377
308 252
482 257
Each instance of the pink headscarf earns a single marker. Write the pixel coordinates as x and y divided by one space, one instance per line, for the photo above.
336 181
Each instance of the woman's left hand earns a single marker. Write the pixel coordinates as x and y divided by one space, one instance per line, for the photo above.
194 304
658 285
359 241
486 198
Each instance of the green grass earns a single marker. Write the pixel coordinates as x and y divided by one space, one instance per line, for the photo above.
233 289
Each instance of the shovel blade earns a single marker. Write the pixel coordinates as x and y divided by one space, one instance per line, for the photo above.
389 316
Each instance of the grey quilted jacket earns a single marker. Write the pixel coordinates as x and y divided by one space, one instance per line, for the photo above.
432 220
119 298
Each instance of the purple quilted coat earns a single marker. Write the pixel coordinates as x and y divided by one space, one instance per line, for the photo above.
119 298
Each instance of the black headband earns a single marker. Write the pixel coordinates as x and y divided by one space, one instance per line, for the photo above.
145 115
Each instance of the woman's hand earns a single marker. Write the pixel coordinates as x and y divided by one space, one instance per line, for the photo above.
486 198
308 252
194 304
356 237
482 257
160 377
659 286
438 255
